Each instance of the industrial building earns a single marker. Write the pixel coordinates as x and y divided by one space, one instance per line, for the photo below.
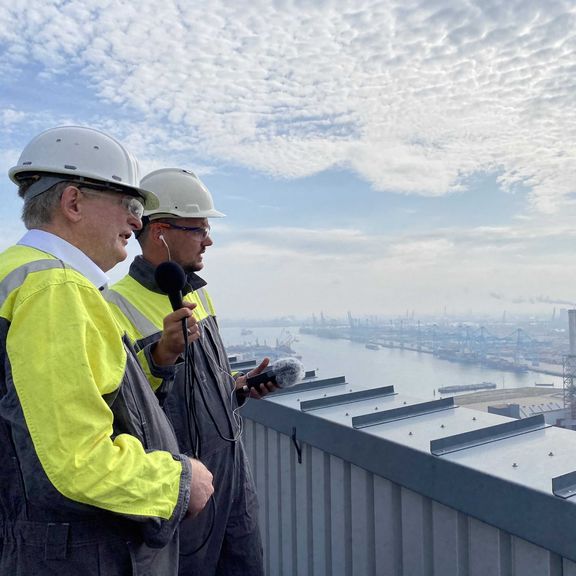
367 482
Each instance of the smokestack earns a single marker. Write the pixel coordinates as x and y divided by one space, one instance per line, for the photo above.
572 331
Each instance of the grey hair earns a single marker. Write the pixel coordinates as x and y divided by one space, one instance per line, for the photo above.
39 210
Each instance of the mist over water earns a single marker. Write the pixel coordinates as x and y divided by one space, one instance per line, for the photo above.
411 373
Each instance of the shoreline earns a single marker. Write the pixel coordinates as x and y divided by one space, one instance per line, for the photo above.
549 370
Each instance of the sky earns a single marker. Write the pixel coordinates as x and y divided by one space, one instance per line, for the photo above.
378 157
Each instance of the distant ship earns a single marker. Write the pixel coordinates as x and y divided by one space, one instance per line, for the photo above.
504 364
467 387
372 346
246 332
257 351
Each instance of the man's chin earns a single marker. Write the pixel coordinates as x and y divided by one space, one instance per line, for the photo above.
120 255
196 267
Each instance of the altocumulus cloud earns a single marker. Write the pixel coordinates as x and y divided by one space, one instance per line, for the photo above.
414 95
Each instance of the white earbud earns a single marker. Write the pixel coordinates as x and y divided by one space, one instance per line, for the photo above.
161 237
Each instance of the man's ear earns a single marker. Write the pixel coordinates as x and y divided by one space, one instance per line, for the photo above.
157 232
72 203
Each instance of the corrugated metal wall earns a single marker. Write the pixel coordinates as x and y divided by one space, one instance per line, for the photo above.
325 516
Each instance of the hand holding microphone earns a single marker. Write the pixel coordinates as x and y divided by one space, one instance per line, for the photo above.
180 326
283 373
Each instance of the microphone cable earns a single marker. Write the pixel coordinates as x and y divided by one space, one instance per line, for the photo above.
234 424
189 379
171 279
190 388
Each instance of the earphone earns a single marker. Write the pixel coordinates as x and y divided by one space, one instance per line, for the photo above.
161 237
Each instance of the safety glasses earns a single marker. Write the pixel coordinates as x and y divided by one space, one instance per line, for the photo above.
200 232
132 204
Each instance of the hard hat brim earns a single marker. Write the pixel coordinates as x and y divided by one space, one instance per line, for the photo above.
180 214
49 178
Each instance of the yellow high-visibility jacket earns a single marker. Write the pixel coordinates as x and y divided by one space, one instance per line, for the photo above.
202 411
82 434
140 308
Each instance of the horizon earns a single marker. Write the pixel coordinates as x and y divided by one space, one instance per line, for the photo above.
555 317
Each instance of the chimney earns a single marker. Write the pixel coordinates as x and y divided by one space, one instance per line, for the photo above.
572 331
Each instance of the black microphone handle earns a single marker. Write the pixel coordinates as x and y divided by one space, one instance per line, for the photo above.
262 378
176 300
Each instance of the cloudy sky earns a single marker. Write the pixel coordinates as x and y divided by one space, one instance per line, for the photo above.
372 156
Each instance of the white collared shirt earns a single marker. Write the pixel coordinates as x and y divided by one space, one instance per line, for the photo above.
69 254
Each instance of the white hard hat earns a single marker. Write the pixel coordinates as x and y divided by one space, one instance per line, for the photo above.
78 153
181 194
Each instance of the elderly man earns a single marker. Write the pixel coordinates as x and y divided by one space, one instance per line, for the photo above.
203 403
92 481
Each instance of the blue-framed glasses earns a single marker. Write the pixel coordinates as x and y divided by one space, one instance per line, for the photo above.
201 232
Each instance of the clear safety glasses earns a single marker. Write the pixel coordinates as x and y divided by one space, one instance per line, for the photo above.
200 232
132 204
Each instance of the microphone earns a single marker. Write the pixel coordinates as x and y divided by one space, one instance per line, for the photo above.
171 279
285 372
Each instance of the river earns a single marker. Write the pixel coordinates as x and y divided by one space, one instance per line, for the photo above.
411 373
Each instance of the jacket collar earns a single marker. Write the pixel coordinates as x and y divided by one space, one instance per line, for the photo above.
66 252
143 271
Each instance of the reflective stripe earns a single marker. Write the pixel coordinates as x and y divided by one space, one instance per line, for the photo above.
142 324
201 293
139 321
16 278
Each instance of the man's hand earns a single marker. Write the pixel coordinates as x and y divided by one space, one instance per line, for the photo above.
201 488
171 344
263 389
